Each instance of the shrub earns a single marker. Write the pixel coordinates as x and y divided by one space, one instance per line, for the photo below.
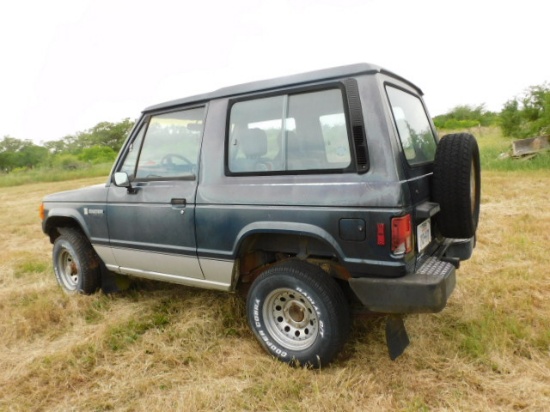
465 117
97 155
68 162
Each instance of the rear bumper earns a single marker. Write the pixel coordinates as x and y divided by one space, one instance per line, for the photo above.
425 291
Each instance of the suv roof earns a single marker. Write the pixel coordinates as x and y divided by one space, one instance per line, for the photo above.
270 84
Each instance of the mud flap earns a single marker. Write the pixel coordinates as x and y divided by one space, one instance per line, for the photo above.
113 282
397 339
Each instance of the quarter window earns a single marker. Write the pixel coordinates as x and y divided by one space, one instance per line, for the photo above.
289 133
413 126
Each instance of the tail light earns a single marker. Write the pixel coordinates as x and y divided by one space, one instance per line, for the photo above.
401 235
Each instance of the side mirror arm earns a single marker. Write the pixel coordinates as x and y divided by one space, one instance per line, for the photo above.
121 179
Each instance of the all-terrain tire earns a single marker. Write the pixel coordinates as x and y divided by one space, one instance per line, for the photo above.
75 262
457 185
298 313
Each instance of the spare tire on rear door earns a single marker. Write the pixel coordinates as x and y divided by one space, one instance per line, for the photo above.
457 185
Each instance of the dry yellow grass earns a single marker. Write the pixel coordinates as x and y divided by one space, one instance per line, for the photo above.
165 347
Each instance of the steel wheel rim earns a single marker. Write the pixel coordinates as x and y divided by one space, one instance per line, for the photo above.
291 319
68 268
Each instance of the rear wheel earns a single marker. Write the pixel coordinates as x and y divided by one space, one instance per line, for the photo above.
75 263
457 185
298 313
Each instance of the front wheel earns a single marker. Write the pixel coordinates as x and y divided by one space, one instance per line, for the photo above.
75 263
298 313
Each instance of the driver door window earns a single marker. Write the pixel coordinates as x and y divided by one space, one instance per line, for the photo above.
170 147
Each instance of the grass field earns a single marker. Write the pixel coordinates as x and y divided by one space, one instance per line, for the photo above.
23 177
166 347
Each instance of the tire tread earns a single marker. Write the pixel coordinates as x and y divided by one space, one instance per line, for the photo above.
329 292
90 274
451 185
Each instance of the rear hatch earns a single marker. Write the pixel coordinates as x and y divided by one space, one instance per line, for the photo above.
417 143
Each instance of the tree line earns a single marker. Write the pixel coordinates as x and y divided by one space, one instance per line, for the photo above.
100 144
527 115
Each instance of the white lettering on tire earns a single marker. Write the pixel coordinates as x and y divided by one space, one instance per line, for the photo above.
274 348
317 310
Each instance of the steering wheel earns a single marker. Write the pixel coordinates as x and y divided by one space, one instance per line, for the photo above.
167 160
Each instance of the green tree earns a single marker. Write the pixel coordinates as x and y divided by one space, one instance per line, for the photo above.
527 115
10 144
56 146
510 118
7 161
103 134
31 156
16 153
8 148
112 135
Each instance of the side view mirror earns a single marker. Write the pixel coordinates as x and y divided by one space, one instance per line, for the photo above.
121 179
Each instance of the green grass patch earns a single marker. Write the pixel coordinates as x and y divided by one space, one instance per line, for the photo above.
494 147
23 177
494 331
97 310
31 267
540 162
121 336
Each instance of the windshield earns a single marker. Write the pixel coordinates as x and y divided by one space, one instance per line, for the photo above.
413 126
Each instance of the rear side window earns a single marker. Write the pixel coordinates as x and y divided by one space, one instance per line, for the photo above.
413 126
289 133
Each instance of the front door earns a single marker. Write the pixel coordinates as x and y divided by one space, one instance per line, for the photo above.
152 226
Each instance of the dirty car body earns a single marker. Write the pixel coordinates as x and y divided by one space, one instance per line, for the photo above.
315 193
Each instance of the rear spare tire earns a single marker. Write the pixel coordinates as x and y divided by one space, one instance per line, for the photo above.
457 185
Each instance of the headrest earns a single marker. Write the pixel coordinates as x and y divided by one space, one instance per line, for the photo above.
253 143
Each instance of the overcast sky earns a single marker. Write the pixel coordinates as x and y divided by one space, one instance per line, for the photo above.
67 65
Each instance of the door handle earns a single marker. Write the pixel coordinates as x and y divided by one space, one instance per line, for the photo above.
179 204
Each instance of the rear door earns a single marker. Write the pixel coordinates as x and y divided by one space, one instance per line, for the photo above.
152 226
418 143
